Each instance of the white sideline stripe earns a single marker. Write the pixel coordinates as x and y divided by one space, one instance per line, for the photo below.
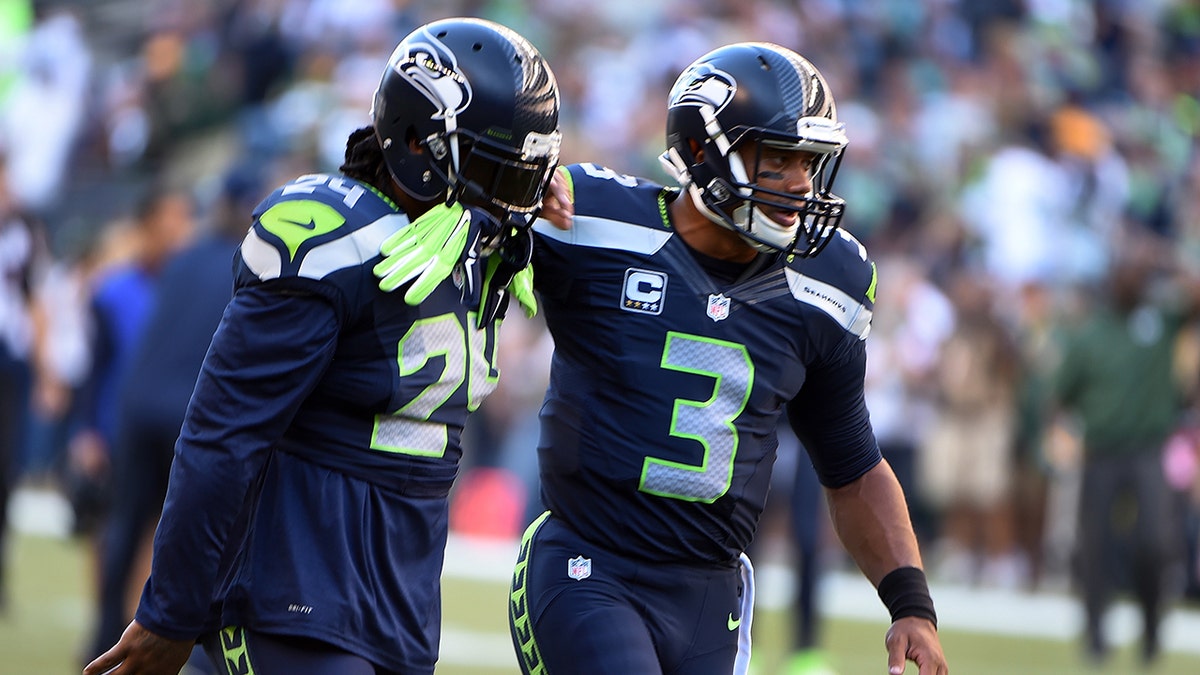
847 595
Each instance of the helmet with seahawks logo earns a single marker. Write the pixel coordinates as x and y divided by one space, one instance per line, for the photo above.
467 110
756 92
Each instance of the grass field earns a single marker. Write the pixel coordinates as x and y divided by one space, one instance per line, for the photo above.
48 616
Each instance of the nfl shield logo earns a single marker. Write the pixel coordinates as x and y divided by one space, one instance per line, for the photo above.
579 568
718 307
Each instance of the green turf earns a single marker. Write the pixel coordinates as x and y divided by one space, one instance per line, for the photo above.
42 629
48 616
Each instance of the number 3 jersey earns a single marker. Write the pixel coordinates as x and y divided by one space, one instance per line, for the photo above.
658 429
308 490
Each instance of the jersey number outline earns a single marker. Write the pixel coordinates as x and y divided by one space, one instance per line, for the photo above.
709 422
468 354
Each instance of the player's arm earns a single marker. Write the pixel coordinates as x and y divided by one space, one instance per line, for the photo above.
267 355
871 518
867 506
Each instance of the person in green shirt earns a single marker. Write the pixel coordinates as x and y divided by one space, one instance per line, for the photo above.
1117 380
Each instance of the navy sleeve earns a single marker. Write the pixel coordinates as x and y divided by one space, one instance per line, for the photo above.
830 418
267 355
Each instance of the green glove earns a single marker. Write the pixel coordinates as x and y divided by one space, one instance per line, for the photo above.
521 288
427 250
507 274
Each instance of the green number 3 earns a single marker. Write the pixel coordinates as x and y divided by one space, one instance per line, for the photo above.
709 422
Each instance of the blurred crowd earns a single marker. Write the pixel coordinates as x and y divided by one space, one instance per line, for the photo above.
1005 158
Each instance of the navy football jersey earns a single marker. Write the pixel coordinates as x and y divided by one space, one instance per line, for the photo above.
658 429
308 492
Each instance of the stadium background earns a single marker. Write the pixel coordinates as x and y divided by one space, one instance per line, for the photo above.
1010 141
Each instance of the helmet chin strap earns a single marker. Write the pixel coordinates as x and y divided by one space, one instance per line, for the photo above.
768 235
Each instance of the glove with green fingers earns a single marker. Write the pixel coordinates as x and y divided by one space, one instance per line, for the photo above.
508 273
521 289
427 251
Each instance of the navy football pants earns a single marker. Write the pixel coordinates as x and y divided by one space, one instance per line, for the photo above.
237 651
577 609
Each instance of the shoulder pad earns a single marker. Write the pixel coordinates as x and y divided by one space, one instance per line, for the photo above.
612 210
840 281
601 192
316 225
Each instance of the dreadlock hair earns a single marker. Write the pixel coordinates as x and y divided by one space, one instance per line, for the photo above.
364 160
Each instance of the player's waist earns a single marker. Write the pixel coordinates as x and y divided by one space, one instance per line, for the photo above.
414 476
685 546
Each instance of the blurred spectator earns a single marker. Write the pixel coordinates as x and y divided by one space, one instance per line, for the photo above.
189 298
16 18
22 249
1117 379
966 461
912 321
121 300
179 96
61 359
42 114
1037 345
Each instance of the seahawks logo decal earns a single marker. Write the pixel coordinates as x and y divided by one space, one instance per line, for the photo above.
433 70
701 85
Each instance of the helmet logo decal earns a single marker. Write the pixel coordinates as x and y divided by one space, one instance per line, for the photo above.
703 85
433 70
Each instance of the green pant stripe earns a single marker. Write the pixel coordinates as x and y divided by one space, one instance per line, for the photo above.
233 651
518 606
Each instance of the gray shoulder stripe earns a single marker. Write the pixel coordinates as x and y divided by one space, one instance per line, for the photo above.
840 306
606 233
261 257
353 249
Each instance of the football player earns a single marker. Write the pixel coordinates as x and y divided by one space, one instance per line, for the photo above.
686 322
306 517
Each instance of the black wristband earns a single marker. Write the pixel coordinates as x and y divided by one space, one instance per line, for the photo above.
905 591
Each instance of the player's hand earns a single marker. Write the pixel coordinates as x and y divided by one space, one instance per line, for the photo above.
915 639
430 247
508 274
140 652
558 205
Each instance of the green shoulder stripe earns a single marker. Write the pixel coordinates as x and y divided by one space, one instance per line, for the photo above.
299 220
266 260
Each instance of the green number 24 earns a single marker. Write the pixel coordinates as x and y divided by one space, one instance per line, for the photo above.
467 354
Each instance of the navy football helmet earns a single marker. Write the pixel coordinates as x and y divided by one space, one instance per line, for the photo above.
482 106
766 94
